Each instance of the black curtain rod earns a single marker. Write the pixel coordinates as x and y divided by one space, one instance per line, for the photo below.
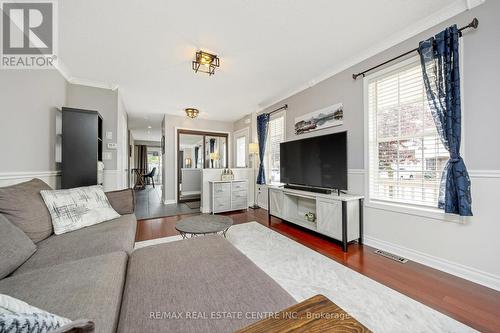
284 107
474 24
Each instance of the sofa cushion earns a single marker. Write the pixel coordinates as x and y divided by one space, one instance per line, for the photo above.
77 326
88 288
106 237
16 313
123 201
76 208
15 247
23 206
200 276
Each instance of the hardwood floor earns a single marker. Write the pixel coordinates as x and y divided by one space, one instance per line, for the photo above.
467 302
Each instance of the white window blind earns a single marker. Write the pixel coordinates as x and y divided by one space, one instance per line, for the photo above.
405 154
241 148
276 135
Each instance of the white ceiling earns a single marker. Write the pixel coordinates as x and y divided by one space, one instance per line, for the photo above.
268 49
146 126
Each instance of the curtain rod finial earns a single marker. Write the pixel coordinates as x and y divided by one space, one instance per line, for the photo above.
475 23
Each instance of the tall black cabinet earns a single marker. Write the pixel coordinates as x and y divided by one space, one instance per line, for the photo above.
81 147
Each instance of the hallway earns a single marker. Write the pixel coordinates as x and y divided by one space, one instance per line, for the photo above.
148 205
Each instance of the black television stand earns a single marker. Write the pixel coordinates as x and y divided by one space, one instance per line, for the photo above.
309 189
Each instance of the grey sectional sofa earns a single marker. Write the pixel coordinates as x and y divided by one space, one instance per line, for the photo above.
93 273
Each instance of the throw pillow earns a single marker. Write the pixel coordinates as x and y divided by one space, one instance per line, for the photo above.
79 207
18 316
123 201
15 247
22 205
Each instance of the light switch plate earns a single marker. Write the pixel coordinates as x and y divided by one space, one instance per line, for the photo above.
109 135
112 145
107 155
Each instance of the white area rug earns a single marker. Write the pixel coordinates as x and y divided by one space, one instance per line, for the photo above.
304 273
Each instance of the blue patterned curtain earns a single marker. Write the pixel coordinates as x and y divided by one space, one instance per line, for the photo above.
440 67
262 127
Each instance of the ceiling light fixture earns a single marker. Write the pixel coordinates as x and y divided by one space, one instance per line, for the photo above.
205 62
192 113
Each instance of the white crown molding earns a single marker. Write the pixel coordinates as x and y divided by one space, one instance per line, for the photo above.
424 24
92 83
64 71
28 174
465 272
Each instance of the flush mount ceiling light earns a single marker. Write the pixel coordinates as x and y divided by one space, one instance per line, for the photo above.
192 113
205 62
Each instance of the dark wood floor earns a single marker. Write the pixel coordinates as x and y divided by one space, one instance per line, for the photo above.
467 302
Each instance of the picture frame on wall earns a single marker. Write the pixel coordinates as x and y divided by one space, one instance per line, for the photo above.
330 116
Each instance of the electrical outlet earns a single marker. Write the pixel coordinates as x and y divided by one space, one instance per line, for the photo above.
112 145
107 155
109 135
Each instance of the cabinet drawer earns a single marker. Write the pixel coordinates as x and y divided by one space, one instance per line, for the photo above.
240 195
239 186
222 190
240 203
221 204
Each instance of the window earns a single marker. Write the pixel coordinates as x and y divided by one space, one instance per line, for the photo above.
241 152
405 154
276 135
241 141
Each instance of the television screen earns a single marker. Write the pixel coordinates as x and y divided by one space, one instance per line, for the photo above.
316 162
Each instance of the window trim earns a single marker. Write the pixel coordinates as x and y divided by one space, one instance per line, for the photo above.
397 207
244 132
266 157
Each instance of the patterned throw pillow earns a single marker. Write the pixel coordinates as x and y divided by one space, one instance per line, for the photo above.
79 207
17 316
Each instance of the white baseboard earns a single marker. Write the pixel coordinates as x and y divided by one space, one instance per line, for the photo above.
169 202
465 272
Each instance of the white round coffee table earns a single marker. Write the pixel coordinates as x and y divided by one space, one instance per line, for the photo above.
203 224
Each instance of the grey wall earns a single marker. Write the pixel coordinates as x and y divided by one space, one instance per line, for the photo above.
170 123
28 101
481 53
432 240
106 102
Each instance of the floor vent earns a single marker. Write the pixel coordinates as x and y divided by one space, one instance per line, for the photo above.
391 256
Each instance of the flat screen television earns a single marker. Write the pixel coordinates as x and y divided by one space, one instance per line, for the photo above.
319 162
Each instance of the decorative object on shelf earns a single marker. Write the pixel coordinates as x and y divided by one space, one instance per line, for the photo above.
205 62
253 149
188 162
227 174
324 118
310 217
192 112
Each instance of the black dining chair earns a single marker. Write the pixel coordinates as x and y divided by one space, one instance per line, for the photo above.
150 176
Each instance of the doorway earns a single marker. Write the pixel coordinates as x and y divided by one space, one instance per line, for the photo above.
198 150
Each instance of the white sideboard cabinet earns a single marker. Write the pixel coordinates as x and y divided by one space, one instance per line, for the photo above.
228 195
